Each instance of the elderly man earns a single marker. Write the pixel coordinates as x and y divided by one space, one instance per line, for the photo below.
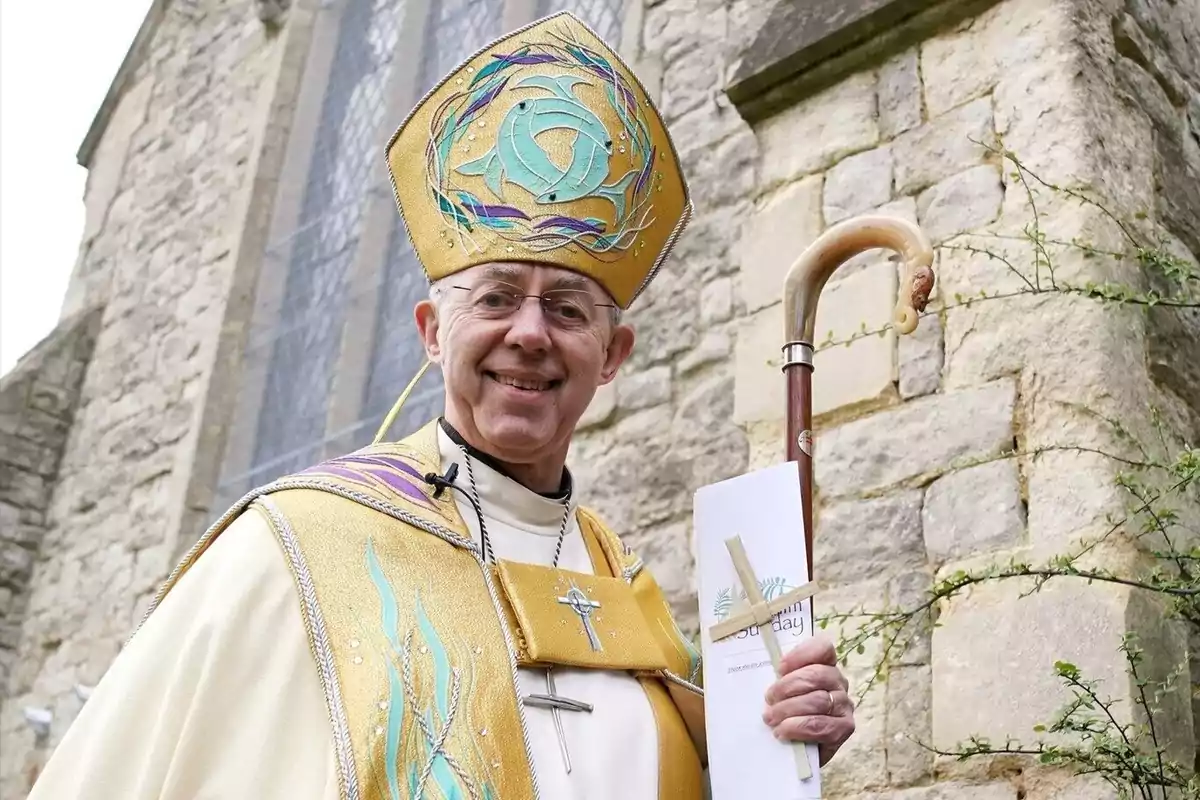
440 617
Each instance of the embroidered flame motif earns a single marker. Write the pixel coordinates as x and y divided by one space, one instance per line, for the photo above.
425 753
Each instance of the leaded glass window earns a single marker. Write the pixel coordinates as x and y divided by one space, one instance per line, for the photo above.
602 16
457 29
295 348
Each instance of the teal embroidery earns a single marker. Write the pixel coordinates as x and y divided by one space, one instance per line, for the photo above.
390 620
432 763
517 157
515 161
693 653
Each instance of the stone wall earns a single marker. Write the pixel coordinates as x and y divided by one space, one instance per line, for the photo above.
166 200
37 403
974 440
915 472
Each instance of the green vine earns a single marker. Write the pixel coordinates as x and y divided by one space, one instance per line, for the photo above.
1086 734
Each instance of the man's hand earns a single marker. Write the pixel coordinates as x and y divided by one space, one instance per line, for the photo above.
810 703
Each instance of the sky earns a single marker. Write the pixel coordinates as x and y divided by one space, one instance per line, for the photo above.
57 60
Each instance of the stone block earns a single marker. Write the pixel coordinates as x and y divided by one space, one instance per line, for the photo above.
965 63
920 438
910 591
600 410
820 131
1061 335
37 459
716 301
16 562
1179 202
899 94
714 348
877 537
667 323
973 511
691 81
759 390
1071 493
962 203
862 372
909 697
645 389
672 27
861 764
1028 101
10 520
942 147
723 173
1066 785
921 355
858 183
774 237
994 656
952 790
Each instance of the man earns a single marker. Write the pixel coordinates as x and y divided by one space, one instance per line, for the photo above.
440 617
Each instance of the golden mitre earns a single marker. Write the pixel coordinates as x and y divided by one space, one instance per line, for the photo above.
542 147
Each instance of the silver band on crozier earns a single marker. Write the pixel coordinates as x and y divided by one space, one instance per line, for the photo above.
797 353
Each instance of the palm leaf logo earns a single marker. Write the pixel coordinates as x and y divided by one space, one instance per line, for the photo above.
723 604
772 588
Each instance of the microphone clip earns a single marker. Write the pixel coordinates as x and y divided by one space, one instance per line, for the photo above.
442 482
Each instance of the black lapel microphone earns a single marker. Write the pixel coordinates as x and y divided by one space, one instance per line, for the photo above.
442 482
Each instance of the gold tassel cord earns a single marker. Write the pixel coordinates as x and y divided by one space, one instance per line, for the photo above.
391 416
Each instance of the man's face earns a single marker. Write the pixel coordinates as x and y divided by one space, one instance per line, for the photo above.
518 376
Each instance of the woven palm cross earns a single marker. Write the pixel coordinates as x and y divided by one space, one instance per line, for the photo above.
756 610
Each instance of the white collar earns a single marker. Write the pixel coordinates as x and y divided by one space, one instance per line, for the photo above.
500 497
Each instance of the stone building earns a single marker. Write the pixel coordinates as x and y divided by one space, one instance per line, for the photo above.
240 309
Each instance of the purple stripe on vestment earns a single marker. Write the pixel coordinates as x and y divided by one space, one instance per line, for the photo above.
401 485
389 461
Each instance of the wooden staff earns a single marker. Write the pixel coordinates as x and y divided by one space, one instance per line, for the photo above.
801 290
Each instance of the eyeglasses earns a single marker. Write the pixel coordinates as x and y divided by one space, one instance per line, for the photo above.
569 309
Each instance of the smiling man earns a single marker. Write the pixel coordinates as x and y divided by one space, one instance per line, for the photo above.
440 617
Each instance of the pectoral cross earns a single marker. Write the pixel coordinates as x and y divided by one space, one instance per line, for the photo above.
582 605
555 703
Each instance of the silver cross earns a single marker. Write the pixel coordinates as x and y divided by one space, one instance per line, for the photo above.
555 703
582 605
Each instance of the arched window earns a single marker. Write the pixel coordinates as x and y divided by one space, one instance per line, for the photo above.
332 341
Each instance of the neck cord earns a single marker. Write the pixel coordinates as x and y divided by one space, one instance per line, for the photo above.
485 541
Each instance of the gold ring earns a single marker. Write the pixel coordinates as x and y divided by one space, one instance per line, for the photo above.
829 713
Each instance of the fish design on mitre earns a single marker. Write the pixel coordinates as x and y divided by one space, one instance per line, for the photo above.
517 157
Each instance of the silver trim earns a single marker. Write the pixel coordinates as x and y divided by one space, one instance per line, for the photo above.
797 354
323 651
673 678
633 570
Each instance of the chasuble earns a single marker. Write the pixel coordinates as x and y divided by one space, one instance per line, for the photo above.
338 635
